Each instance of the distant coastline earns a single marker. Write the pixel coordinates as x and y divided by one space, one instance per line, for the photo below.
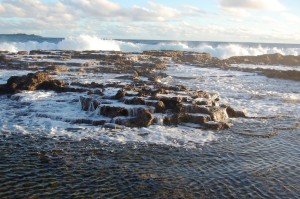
22 37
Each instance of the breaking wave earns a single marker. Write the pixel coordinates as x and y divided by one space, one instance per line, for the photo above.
220 50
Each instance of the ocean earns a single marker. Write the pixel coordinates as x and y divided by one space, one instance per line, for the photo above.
43 155
86 42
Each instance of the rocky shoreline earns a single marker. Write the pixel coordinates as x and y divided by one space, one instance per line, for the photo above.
138 99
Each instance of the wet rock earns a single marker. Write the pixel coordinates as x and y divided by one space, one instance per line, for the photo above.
135 101
146 95
291 74
88 121
198 118
54 85
112 126
218 114
144 118
87 104
170 101
59 69
113 111
95 92
91 85
203 101
216 125
160 107
34 81
193 57
22 53
28 82
232 113
175 119
206 95
120 94
267 59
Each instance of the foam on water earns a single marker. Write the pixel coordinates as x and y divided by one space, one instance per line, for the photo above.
6 74
251 66
39 112
81 42
87 42
259 96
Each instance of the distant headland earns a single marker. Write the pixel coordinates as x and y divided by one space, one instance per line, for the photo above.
22 37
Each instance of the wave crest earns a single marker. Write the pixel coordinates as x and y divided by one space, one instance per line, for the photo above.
87 42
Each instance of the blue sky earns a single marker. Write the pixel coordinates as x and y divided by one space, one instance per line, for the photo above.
203 20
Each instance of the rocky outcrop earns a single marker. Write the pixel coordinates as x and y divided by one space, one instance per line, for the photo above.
164 105
290 75
267 59
183 56
136 98
34 81
193 57
233 113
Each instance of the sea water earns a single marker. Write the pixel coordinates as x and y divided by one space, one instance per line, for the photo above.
87 42
44 154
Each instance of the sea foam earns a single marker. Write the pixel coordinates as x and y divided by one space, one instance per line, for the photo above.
87 42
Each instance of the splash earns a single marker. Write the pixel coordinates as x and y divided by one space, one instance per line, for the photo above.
87 42
80 43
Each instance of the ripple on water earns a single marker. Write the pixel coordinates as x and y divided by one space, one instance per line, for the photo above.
232 166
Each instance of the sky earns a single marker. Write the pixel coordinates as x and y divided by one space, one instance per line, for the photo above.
268 21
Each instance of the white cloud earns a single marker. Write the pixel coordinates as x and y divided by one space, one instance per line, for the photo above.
192 10
291 18
94 7
273 5
236 12
164 11
155 12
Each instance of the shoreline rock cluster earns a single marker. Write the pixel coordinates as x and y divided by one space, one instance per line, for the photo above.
144 105
141 100
136 104
61 60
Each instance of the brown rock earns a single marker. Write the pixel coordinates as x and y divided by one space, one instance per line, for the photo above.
160 107
113 111
22 53
232 113
135 101
218 114
216 125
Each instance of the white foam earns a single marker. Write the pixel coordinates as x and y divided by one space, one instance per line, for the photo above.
221 51
81 42
257 95
279 67
6 74
39 112
87 42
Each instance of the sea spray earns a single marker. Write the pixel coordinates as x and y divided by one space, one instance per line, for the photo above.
221 50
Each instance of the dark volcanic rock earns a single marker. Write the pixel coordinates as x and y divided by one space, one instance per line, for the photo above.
34 81
216 125
113 111
141 100
268 59
193 57
28 82
233 113
291 75
135 101
144 118
160 107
